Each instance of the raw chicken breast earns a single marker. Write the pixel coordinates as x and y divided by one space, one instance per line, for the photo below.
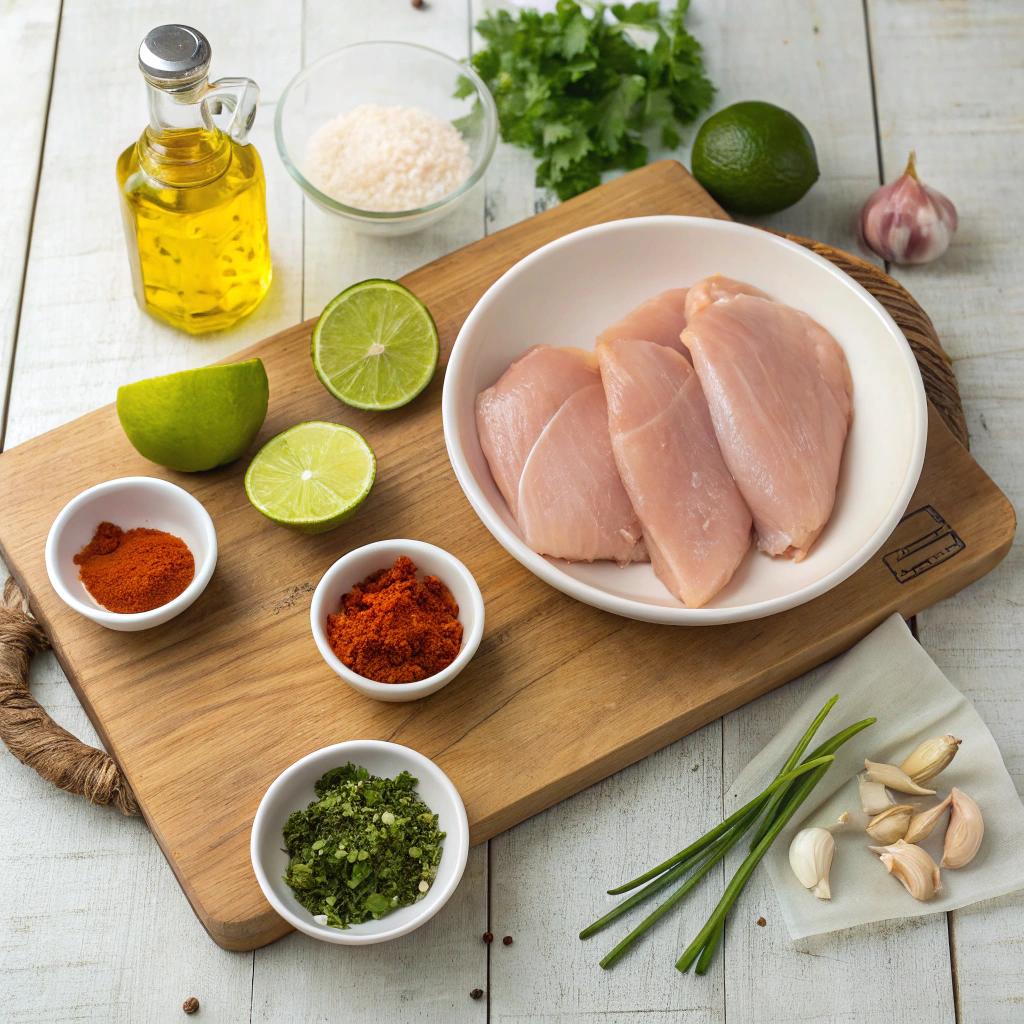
512 414
780 392
661 320
696 525
715 289
571 501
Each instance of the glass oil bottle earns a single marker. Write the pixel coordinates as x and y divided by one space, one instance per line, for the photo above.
193 196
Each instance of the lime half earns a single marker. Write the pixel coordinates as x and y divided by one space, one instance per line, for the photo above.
312 477
375 345
195 419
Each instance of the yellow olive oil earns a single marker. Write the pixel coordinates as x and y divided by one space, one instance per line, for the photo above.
193 195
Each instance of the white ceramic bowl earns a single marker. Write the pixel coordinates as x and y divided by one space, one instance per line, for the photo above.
293 791
570 290
129 502
430 561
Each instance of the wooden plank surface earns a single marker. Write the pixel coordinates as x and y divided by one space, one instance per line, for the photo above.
951 84
103 932
83 964
186 745
28 39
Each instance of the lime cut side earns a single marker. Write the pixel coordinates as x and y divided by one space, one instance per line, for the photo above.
311 477
375 346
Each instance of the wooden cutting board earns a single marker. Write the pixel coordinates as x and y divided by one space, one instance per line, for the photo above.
203 712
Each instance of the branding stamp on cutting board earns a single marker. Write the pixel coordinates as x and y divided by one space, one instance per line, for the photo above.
924 541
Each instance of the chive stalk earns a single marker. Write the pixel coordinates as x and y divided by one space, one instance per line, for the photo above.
713 856
830 746
709 837
667 878
791 761
709 950
709 856
802 790
739 880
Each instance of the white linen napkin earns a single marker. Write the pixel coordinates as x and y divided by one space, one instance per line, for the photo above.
888 676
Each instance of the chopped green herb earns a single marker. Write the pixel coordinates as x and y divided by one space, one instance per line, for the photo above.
366 846
580 91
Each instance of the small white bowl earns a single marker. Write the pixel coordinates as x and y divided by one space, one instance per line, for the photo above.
429 560
293 790
129 502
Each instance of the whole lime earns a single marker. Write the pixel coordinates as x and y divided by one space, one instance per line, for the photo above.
196 419
754 158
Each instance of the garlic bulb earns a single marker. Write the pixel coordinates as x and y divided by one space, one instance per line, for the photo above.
874 797
906 221
810 857
930 758
890 825
965 832
912 866
921 825
895 778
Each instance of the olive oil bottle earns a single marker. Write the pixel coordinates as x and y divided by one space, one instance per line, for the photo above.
193 195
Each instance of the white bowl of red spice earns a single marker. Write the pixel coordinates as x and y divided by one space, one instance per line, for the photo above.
417 626
138 544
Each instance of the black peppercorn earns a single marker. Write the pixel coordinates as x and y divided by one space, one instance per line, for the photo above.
477 992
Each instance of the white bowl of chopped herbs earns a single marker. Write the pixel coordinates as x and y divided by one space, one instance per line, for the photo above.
360 842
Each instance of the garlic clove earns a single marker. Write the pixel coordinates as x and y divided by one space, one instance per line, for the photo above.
874 797
890 825
906 221
930 758
921 825
912 866
810 857
965 832
895 778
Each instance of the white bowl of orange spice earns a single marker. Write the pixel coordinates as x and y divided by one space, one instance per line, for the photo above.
131 553
397 619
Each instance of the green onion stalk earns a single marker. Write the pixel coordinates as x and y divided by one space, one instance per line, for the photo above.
711 932
778 802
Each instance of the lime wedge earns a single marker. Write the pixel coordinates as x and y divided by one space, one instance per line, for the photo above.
311 477
375 345
195 419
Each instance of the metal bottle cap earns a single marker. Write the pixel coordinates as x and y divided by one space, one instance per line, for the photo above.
174 55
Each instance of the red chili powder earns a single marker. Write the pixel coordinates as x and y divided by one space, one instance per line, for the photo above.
394 628
134 571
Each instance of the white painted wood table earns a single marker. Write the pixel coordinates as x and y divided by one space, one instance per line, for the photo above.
93 926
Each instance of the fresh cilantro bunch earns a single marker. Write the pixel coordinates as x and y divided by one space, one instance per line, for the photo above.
580 92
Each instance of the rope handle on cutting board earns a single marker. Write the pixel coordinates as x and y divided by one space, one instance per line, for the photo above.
37 740
31 735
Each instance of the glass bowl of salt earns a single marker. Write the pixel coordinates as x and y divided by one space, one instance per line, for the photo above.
390 137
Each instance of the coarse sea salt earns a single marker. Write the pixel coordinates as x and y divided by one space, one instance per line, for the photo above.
387 159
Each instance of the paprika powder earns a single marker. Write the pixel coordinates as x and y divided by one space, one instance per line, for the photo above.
394 628
134 570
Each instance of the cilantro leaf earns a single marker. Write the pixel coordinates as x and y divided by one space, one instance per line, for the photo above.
577 90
